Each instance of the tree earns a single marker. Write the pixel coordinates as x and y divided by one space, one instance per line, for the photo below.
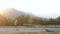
4 21
22 19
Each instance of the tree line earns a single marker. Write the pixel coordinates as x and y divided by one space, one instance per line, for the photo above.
28 20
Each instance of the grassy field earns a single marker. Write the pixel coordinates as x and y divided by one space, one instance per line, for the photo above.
40 32
38 26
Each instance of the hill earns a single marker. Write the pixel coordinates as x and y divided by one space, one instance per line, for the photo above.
12 13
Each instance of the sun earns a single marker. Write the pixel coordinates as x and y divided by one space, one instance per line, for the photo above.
1 11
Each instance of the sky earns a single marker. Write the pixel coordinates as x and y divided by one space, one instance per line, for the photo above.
42 8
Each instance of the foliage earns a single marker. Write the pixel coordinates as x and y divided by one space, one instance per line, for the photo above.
27 20
4 21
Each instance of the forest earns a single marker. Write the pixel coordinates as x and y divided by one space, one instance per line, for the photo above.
23 20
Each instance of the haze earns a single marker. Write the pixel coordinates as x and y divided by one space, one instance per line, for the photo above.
42 8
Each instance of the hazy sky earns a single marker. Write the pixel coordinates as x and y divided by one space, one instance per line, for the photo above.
43 8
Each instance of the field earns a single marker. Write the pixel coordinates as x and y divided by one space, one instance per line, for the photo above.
37 26
40 32
19 32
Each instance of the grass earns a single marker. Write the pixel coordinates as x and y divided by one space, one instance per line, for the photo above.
40 32
38 26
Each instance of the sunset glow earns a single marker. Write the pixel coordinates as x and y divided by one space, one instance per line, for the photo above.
43 8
